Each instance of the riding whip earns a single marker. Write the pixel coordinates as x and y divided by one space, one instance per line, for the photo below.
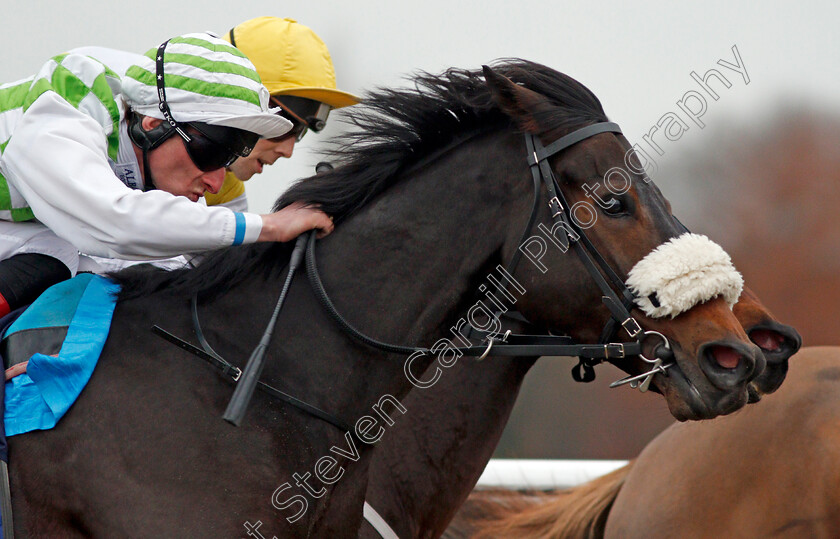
253 369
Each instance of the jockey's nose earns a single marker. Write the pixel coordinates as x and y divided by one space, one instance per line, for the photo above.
285 147
213 180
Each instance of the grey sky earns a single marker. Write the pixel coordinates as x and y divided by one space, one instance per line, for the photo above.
636 57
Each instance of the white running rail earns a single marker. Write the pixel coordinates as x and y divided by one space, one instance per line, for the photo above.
538 474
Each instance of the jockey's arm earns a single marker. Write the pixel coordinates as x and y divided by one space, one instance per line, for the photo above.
76 194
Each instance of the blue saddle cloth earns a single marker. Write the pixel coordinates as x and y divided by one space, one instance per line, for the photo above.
83 307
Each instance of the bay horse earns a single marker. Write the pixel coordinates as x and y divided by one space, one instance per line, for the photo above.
432 196
423 471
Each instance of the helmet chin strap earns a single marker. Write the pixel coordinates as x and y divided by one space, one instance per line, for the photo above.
148 180
146 141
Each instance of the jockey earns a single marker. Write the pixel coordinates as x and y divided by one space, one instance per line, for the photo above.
295 65
113 166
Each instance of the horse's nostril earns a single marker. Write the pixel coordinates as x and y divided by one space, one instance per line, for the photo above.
767 340
729 365
725 357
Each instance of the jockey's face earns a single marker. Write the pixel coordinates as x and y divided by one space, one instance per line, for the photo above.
174 171
266 152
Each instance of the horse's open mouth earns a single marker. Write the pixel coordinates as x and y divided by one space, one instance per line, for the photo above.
753 394
675 385
778 343
768 381
688 400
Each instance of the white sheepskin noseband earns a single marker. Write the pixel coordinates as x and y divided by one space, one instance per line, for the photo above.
683 272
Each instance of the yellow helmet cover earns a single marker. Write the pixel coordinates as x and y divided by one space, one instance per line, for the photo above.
290 58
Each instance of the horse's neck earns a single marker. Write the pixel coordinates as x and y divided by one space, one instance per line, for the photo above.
422 473
421 248
399 271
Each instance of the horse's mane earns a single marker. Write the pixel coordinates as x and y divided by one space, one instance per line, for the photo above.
398 127
394 129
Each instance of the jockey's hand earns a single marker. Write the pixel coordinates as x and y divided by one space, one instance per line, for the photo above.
292 221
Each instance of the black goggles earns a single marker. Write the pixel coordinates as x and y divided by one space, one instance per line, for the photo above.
304 113
210 147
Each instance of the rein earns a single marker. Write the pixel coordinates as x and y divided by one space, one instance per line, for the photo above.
506 344
544 345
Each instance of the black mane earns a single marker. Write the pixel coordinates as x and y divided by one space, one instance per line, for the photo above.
397 127
394 129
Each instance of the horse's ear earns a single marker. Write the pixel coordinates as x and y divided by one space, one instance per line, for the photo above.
516 101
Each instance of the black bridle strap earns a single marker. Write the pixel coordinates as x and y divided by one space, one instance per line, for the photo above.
534 149
537 174
544 152
517 255
227 368
611 274
506 345
561 215
531 345
610 328
233 372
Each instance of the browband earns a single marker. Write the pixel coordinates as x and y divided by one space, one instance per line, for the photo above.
572 138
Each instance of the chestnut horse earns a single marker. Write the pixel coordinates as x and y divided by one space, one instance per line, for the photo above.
416 500
768 471
432 196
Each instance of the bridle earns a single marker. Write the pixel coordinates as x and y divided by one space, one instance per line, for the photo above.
592 260
501 344
508 344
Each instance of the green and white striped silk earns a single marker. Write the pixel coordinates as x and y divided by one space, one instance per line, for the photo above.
84 83
204 77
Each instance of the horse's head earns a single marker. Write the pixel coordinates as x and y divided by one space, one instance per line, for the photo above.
778 342
683 285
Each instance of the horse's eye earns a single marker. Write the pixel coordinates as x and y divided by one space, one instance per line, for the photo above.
615 207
